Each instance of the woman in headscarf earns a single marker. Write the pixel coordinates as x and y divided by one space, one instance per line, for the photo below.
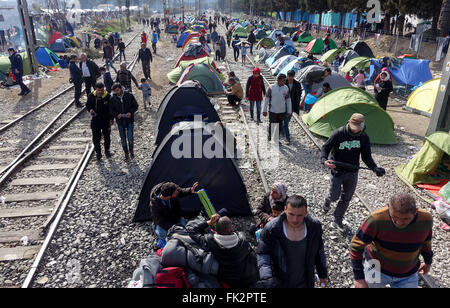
272 204
382 87
223 48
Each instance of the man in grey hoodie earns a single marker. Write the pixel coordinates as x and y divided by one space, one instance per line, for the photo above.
278 100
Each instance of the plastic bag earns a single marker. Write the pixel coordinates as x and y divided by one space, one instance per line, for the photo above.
310 99
445 192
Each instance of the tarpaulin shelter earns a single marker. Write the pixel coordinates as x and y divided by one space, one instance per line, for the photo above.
218 175
182 103
46 57
410 72
281 52
422 99
204 74
425 164
281 63
362 49
335 108
359 62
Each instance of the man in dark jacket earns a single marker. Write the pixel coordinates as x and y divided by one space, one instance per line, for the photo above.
291 248
121 48
252 40
165 206
98 106
76 77
90 72
17 69
122 107
145 55
238 266
108 54
295 91
346 145
124 77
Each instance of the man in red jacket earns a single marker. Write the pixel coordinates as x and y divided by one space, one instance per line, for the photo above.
254 92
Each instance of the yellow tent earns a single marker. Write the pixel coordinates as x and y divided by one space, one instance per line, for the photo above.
75 41
422 99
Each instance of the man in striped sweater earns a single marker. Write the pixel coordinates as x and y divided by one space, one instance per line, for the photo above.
395 236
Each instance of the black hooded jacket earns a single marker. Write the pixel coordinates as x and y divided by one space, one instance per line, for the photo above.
237 265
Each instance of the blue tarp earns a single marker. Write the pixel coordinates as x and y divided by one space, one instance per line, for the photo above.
411 72
182 38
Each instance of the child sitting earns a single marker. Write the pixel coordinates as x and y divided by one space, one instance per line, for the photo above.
146 92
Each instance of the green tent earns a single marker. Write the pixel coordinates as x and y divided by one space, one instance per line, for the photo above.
305 37
204 74
358 62
241 32
5 64
266 42
249 28
331 54
426 161
176 73
288 30
335 108
260 34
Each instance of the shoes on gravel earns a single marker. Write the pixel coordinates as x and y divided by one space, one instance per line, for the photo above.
326 206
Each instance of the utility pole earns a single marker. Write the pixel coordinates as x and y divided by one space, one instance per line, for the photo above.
252 2
182 11
440 118
28 34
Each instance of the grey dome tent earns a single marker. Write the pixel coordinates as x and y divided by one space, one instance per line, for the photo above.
349 55
220 177
181 103
362 49
335 80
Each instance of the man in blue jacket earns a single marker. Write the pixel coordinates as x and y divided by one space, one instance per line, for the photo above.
145 56
17 69
76 77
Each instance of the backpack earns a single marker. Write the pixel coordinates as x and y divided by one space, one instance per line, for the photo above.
171 277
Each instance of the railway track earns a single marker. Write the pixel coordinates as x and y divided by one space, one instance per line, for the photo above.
36 189
17 143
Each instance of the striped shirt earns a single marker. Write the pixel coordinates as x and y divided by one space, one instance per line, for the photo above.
397 249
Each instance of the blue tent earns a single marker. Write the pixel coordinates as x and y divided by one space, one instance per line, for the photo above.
182 38
410 72
294 65
59 46
46 57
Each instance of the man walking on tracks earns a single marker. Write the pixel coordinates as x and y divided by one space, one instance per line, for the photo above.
122 107
76 77
291 249
124 77
346 145
392 238
90 72
145 56
17 69
278 100
98 106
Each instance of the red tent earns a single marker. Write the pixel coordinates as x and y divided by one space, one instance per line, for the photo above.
55 36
